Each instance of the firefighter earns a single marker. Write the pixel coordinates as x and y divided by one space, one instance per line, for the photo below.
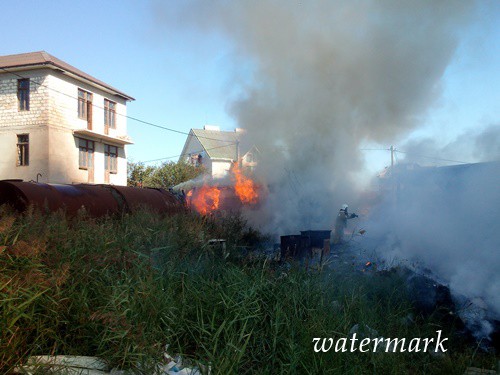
341 223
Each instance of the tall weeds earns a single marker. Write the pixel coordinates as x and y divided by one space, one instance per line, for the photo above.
123 288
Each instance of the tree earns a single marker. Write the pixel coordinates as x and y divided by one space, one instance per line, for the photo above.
138 174
166 175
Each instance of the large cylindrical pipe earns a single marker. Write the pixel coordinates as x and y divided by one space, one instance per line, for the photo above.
96 200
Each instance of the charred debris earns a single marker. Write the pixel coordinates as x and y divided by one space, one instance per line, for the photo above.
470 319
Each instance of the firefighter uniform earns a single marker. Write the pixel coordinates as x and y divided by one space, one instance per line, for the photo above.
341 223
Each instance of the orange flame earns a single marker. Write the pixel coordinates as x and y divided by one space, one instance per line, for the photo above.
244 187
205 199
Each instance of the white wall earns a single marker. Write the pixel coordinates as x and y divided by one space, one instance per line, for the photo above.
220 168
64 119
50 121
64 105
194 146
217 168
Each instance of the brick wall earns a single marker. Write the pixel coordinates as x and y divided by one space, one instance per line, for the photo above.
10 115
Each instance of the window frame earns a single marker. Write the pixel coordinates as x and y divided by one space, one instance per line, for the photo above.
109 113
88 150
23 94
111 159
85 106
23 150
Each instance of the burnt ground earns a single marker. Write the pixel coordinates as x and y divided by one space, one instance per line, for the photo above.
430 297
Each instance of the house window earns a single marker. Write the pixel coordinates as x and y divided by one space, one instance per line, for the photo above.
23 94
110 158
85 107
196 160
109 114
23 149
86 154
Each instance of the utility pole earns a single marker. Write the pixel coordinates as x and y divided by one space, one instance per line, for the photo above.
393 177
392 158
237 151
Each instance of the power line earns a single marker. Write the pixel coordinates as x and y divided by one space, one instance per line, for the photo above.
412 154
116 113
434 158
362 149
176 156
199 136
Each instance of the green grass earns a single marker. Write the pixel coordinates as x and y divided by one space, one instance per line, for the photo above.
123 288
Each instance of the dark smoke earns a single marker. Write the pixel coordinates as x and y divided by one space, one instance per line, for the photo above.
327 75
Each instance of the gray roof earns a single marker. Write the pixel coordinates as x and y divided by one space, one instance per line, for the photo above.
219 144
36 59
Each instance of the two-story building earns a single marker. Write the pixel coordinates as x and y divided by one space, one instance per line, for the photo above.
59 124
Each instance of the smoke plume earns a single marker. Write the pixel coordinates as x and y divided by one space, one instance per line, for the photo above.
475 145
320 78
326 76
446 219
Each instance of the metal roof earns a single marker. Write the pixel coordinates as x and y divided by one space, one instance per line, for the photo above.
41 58
219 144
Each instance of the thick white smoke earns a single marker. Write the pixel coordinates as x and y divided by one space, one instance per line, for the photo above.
447 219
327 75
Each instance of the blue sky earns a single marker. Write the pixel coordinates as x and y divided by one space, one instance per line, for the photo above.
471 84
184 80
120 43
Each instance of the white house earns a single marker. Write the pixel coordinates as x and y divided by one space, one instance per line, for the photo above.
217 150
59 124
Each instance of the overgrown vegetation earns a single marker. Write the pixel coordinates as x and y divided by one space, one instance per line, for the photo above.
123 288
166 175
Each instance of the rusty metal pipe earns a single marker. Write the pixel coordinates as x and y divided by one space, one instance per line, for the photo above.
96 200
